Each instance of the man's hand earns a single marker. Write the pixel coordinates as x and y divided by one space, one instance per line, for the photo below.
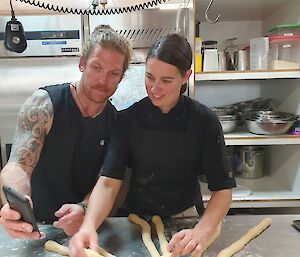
188 241
70 218
10 220
85 238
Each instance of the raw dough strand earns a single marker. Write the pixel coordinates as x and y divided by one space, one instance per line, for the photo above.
146 234
161 234
105 253
239 244
52 246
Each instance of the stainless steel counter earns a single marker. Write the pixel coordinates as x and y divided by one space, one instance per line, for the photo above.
123 238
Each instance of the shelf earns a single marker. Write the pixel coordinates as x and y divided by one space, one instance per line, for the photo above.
247 138
261 192
242 75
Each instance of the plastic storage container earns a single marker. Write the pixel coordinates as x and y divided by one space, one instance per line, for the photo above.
285 30
284 52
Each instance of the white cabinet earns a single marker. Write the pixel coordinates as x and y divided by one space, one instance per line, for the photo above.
280 186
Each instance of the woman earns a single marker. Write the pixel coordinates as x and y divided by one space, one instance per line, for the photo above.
167 139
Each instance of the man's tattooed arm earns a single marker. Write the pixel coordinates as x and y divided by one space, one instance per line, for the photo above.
33 124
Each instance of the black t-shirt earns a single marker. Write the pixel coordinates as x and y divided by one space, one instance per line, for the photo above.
167 153
72 155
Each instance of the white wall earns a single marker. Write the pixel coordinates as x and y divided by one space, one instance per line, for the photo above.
221 93
289 14
243 30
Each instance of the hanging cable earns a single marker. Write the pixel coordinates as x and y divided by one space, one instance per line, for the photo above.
13 17
51 7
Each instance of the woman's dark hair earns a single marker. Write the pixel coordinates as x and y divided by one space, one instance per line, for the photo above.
175 50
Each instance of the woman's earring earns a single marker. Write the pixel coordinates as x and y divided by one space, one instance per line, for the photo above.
81 68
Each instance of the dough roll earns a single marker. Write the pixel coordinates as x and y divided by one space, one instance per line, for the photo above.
146 234
239 244
52 246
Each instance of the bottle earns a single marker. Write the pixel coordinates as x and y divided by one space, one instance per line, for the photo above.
198 54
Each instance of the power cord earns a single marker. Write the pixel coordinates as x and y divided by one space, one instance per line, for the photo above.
94 11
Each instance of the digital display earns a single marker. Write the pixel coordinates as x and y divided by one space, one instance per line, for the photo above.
53 34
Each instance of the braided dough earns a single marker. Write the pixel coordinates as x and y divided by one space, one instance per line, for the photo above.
239 244
52 246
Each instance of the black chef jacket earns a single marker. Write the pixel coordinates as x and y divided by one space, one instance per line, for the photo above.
167 153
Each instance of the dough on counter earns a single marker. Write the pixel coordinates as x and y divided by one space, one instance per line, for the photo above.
52 246
146 234
160 229
239 244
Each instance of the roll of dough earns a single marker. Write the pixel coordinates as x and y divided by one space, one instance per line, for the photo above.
146 234
52 246
239 244
160 229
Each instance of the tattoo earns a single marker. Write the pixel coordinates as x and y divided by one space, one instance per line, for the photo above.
34 121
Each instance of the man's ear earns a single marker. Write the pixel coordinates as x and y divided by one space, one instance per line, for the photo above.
82 63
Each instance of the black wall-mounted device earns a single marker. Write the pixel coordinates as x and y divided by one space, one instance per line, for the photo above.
15 38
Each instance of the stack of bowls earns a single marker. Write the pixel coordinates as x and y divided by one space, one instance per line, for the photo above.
246 107
266 122
227 117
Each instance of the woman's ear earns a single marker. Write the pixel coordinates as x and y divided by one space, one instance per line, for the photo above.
187 76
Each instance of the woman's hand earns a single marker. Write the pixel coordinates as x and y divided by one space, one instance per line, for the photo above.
84 238
70 218
188 241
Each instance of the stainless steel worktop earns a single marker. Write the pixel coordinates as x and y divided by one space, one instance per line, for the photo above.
123 238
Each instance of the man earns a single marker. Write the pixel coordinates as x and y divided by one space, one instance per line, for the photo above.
62 136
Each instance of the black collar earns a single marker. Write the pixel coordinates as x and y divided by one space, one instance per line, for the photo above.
151 117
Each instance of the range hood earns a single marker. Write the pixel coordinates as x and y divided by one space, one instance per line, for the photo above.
142 29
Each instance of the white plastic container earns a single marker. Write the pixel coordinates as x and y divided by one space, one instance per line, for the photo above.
210 62
284 52
259 51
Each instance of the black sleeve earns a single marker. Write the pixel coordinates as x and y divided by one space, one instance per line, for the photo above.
214 159
117 157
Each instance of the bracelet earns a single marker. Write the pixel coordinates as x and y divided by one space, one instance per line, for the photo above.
83 205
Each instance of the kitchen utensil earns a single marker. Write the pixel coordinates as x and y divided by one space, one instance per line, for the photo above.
223 110
270 122
231 52
242 60
228 122
251 162
221 61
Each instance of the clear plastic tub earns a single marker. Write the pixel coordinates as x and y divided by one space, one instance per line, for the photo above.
285 30
284 53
